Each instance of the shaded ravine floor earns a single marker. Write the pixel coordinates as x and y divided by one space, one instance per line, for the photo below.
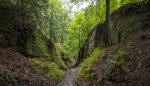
69 79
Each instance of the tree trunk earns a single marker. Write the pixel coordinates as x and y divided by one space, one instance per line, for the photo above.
107 31
79 39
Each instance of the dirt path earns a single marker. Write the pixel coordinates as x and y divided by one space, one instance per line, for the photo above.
69 79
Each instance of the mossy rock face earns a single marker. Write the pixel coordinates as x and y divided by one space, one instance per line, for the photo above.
27 38
124 22
38 45
24 35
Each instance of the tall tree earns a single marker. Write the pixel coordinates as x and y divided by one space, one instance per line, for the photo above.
107 33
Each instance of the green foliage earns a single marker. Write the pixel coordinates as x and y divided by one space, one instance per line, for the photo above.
1 69
85 66
34 80
139 64
9 76
91 76
60 62
129 43
125 69
23 66
121 54
34 67
140 52
99 79
118 57
52 70
59 51
72 41
36 70
109 70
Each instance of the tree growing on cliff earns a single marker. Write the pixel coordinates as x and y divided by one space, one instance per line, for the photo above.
107 31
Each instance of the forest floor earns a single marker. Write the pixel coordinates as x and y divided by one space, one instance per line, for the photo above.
69 79
126 64
17 70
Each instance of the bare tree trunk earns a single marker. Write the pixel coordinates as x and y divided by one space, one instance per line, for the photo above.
107 31
79 39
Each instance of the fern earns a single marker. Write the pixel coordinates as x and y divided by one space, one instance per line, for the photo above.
125 69
9 76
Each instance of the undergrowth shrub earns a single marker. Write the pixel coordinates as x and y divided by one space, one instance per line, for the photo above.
118 59
58 56
86 65
9 76
50 69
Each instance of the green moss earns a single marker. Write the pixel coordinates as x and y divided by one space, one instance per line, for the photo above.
85 66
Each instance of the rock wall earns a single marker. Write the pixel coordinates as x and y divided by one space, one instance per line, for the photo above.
20 32
124 22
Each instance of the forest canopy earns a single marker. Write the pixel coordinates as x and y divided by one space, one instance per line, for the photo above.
86 19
